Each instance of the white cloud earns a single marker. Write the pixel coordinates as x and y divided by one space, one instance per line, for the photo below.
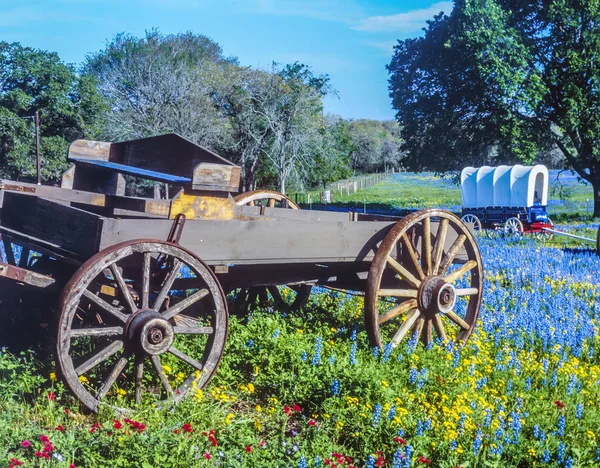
384 46
403 22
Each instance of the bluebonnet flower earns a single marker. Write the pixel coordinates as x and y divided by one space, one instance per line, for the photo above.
528 384
546 456
276 334
461 423
536 432
477 442
572 384
456 359
377 414
554 379
376 352
331 360
481 382
353 354
488 418
370 462
569 463
387 351
561 451
250 343
353 334
579 410
317 354
515 425
302 462
317 461
419 429
561 425
413 375
391 413
335 387
304 356
427 424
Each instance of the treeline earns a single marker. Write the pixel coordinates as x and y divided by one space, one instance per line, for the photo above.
271 122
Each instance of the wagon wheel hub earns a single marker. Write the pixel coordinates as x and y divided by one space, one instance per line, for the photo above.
149 332
435 296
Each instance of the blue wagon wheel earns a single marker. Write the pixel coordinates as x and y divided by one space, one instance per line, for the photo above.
513 228
474 220
426 276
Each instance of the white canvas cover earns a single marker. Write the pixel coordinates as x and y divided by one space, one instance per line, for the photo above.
504 186
485 186
468 187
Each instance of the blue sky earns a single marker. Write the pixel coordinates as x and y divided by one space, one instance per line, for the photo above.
351 40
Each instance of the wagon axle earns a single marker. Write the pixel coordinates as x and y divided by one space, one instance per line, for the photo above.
149 332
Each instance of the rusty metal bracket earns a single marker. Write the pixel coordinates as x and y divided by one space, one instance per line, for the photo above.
176 229
22 275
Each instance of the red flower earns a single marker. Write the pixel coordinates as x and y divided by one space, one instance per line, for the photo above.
559 404
248 449
424 460
297 409
25 444
262 443
14 462
117 424
42 455
311 422
213 440
207 456
48 448
72 466
287 410
327 461
94 427
175 431
44 439
59 428
51 396
399 440
187 427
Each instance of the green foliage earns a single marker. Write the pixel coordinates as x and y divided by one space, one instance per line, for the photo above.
502 80
34 80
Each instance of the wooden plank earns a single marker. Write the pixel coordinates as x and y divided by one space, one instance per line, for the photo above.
254 242
292 215
69 228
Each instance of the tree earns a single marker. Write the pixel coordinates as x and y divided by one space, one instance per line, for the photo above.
504 79
159 84
35 80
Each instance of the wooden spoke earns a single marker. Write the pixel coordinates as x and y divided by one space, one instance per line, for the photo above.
105 306
440 242
418 326
167 285
413 256
112 377
400 309
398 292
457 320
123 287
103 331
184 357
426 335
139 374
467 292
411 318
404 273
187 330
161 374
454 249
99 357
439 327
460 271
187 302
146 280
271 203
426 255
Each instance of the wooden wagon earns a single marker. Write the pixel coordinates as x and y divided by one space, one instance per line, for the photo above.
143 284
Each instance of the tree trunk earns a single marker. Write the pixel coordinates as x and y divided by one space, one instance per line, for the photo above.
596 186
282 182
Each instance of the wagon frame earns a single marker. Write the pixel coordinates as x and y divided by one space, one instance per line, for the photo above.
141 282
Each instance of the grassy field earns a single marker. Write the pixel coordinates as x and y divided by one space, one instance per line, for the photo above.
304 389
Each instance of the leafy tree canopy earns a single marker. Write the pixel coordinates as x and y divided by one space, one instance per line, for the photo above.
500 80
34 80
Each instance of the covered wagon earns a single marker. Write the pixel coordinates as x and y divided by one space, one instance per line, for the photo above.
507 200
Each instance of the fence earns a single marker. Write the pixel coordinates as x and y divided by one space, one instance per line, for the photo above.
338 189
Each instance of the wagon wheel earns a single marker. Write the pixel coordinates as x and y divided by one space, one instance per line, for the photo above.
285 298
440 289
544 236
268 198
494 233
143 320
513 228
474 220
